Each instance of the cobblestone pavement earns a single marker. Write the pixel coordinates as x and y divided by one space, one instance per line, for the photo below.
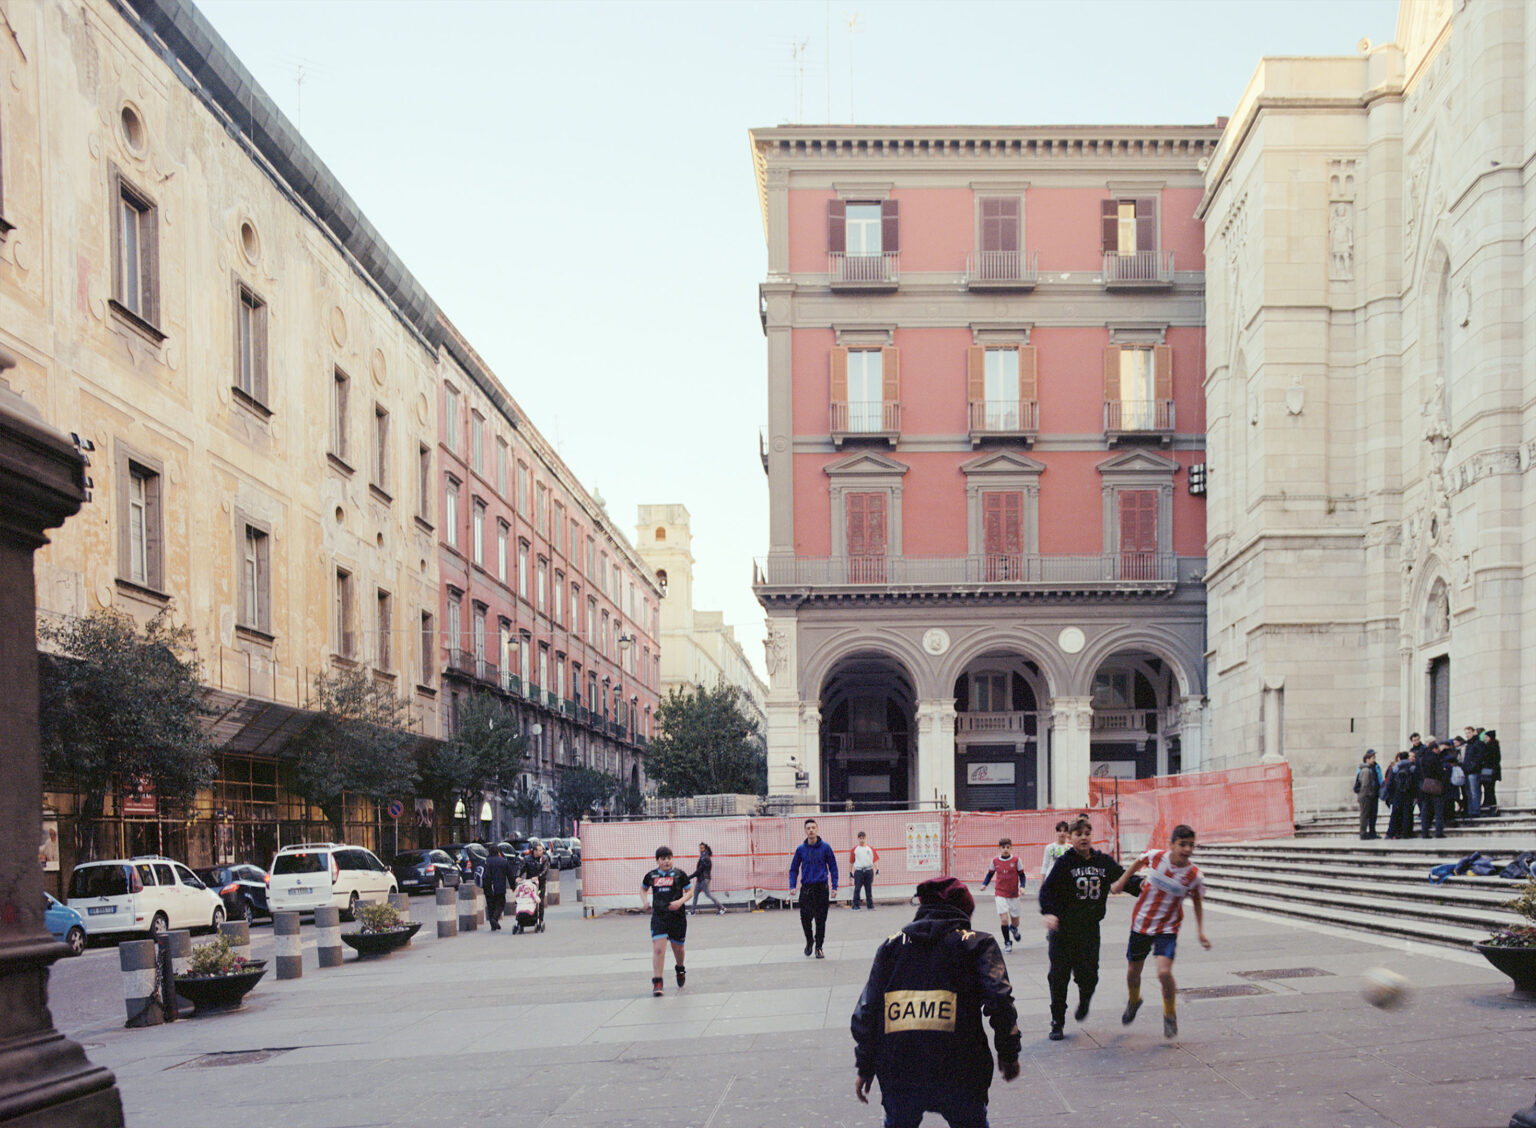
560 1030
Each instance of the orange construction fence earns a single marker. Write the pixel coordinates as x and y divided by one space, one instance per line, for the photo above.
1234 805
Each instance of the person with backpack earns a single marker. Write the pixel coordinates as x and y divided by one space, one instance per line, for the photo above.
1400 790
1367 790
1434 780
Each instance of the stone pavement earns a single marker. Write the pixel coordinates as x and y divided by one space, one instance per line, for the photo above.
560 1030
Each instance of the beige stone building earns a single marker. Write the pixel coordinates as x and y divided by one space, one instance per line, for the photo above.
697 647
1370 381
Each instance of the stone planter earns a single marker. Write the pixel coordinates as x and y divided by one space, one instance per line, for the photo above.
210 994
380 943
1517 963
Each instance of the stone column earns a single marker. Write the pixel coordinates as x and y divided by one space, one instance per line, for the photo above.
1071 737
44 1077
936 751
1274 731
810 753
1191 733
781 731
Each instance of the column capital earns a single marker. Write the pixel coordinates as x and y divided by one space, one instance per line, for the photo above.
1067 710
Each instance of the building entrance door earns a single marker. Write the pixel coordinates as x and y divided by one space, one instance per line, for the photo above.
1440 696
996 777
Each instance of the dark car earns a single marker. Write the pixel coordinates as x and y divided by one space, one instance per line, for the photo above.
468 856
421 871
242 888
560 853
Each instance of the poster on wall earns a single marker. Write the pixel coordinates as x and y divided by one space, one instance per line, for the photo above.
48 852
923 847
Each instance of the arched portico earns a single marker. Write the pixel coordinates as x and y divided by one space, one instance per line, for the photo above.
867 721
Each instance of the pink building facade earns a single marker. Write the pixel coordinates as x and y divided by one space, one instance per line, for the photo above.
986 545
544 602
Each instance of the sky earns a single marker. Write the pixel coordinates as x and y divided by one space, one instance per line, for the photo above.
572 182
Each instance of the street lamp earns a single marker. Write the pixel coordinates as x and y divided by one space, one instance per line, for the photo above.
626 641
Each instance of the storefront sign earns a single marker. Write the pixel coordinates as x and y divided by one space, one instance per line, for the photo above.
983 775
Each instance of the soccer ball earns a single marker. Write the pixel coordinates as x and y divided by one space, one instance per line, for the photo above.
1383 988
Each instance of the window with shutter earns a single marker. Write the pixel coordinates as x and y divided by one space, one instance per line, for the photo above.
1138 534
1000 224
864 224
1002 515
251 345
866 537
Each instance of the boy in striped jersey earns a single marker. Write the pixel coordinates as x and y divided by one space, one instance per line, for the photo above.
1155 920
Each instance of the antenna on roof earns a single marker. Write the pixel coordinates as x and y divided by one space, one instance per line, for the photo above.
853 25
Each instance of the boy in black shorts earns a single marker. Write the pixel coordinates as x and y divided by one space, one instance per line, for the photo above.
669 887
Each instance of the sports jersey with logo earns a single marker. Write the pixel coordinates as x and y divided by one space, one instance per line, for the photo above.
666 886
1009 875
1160 907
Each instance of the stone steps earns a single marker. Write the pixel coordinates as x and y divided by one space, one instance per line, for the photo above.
1343 823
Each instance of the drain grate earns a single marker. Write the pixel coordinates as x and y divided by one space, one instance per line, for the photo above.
1229 992
230 1057
1284 973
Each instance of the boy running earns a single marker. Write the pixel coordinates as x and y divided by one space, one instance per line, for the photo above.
669 886
1054 850
1155 920
1072 902
1010 880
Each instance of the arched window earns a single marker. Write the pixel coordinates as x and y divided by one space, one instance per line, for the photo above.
661 533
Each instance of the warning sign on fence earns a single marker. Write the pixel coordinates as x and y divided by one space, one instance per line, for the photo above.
924 847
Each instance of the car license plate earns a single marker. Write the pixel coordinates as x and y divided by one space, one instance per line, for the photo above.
302 889
101 910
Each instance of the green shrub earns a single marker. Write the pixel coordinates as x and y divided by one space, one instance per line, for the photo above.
378 917
215 958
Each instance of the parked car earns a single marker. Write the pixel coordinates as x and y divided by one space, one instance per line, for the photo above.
561 853
575 846
64 924
469 856
312 875
422 871
243 889
146 894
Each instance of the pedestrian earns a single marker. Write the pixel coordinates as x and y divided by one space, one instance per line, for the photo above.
536 867
1155 920
703 873
815 867
863 859
1492 770
1010 882
664 892
495 876
918 1024
1433 781
1054 850
1400 789
1072 904
1367 789
1472 766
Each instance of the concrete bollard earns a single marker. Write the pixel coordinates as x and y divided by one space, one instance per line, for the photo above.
402 903
467 922
447 919
578 884
328 936
138 959
287 947
479 906
178 953
238 934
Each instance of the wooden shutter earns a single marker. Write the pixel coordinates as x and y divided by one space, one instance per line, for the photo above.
874 524
1162 369
890 226
1029 384
1002 518
839 379
1013 523
123 484
857 505
1138 521
153 540
259 351
1000 224
1112 374
890 375
837 226
1109 225
1146 225
976 373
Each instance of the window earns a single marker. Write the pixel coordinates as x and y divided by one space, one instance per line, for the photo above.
135 272
455 621
1002 388
1000 229
522 568
340 390
1138 534
560 676
250 345
451 416
865 390
990 693
543 592
866 537
592 620
501 467
576 608
525 658
863 229
592 573
451 512
559 594
1138 388
1128 227
380 448
541 510
1112 689
383 652
502 532
477 533
428 648
522 489
504 647
477 441
346 644
604 578
255 579
544 665
141 543
604 640
1002 517
559 528
424 484
477 624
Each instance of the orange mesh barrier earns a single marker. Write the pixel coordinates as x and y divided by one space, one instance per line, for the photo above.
616 855
1226 806
975 835
913 845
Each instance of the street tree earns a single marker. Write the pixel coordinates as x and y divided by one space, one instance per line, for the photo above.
706 744
119 709
486 750
525 802
580 791
358 743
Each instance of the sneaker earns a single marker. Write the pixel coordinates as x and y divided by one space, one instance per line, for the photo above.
1007 944
1057 1033
656 987
690 912
682 976
855 908
720 912
1016 933
1082 1010
1130 1012
1170 1026
807 947
819 956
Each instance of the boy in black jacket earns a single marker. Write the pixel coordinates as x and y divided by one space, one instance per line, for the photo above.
917 1025
1072 902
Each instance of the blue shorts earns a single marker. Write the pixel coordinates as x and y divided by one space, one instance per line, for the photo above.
673 926
1160 944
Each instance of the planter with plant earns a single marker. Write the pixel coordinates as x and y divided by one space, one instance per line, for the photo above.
382 930
216 979
1512 948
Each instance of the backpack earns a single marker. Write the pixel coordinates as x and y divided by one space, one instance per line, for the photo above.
1473 863
1522 867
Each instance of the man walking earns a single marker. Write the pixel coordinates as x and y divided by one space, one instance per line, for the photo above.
1072 902
918 1024
815 867
494 879
1367 790
862 859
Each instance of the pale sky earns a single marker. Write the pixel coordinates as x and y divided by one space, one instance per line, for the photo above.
572 182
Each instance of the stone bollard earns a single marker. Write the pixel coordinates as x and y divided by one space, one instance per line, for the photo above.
138 959
467 922
178 948
479 906
238 933
552 890
328 936
287 947
447 920
578 883
402 904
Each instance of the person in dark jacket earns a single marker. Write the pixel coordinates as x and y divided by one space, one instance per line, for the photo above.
918 1024
1072 903
1434 781
536 866
1400 789
1367 789
701 878
1472 765
814 866
495 876
1492 771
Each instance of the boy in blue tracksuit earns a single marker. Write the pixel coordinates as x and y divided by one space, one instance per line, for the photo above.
814 866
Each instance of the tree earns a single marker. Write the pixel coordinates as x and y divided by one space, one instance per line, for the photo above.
357 744
485 751
525 802
707 744
120 708
580 791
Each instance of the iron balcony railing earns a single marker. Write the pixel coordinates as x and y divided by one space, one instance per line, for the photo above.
1143 268
552 699
1019 570
511 683
862 271
1129 417
1002 270
486 671
461 661
875 418
1004 417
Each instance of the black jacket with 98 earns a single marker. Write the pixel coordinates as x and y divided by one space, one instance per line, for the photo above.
1077 888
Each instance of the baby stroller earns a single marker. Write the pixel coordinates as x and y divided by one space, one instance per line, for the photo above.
528 906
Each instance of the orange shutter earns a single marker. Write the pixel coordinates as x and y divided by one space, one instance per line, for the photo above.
1029 384
1162 370
890 375
839 375
976 373
874 529
1112 374
1013 523
856 504
992 523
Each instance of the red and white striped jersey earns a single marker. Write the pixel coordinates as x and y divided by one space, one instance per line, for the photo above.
1160 907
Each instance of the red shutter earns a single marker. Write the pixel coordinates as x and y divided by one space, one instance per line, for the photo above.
874 536
1109 225
890 226
992 522
976 379
1013 523
1000 224
837 226
1002 519
1029 383
1138 534
1146 225
866 537
857 504
1162 371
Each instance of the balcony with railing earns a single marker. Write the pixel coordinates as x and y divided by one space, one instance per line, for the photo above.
1132 573
879 420
1148 721
1002 270
1138 419
1004 419
486 671
991 723
1141 270
511 683
862 271
461 662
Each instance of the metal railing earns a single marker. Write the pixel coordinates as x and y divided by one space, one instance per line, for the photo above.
486 671
865 741
1125 720
511 683
1143 268
989 722
460 661
1002 269
1024 569
862 270
866 417
1128 417
1004 417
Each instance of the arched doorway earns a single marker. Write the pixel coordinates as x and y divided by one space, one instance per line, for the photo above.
867 732
1136 717
999 759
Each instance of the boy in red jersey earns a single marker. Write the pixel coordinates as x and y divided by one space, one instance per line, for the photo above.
1155 920
1010 881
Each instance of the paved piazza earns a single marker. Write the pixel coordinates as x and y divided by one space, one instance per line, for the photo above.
560 1030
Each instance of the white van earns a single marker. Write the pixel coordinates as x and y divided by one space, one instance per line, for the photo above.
148 894
311 875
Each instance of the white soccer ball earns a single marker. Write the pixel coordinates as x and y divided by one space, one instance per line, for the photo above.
1383 988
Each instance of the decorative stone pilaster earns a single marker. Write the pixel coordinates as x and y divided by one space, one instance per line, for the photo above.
936 751
1274 721
810 753
1191 733
1071 741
